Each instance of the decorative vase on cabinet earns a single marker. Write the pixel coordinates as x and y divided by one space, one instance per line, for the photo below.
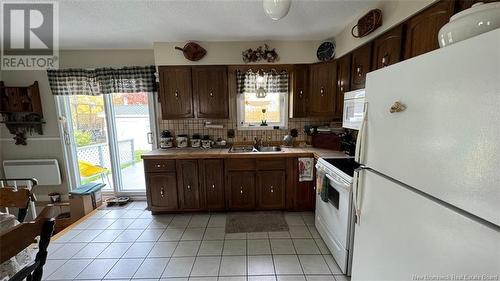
478 19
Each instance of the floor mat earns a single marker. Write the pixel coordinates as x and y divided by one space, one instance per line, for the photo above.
255 222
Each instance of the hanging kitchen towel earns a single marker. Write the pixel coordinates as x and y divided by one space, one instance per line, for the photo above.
320 178
324 189
306 169
322 185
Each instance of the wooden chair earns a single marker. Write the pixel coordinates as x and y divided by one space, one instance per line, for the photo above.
16 239
20 198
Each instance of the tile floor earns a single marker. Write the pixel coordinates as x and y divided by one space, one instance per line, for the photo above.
131 244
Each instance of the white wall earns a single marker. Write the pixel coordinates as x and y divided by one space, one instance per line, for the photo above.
230 52
52 148
393 12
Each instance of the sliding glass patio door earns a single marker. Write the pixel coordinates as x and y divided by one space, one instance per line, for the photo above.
104 137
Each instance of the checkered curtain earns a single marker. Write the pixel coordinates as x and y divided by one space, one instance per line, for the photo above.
100 81
273 82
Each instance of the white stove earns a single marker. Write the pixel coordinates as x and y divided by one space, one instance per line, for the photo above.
334 216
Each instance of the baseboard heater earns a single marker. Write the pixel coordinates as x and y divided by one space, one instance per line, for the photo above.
45 171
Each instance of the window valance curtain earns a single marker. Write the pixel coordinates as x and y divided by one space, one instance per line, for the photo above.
270 81
101 81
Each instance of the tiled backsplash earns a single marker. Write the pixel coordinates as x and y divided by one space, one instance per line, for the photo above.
197 126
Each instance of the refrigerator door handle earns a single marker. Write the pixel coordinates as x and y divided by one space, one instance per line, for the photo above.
355 197
356 192
359 139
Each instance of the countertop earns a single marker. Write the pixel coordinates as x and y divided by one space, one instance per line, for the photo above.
197 153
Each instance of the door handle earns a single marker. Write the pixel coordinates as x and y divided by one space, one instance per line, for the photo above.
397 107
150 137
272 189
359 140
162 192
357 212
213 187
356 193
345 186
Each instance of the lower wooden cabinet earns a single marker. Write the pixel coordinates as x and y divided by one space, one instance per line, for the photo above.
240 190
212 179
188 185
162 191
230 184
271 190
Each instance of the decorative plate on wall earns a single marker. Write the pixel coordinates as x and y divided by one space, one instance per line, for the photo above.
326 51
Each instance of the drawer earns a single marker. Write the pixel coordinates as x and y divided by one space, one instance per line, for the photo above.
240 164
271 164
159 165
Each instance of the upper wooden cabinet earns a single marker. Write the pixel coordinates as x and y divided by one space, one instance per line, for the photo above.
322 95
198 91
300 90
176 96
387 48
343 83
210 91
188 185
360 66
422 29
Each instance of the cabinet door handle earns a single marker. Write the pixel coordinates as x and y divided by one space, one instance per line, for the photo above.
322 92
176 94
189 187
359 70
301 93
162 192
158 165
211 94
385 60
213 187
241 189
272 189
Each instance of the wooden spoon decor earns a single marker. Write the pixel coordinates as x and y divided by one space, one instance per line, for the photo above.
192 51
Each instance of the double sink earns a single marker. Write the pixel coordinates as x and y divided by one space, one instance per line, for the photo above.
252 149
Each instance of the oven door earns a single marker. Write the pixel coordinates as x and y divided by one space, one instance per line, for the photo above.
332 218
354 105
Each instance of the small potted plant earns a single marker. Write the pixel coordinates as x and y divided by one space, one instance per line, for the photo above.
264 121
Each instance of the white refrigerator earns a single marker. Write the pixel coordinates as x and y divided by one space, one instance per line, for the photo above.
427 196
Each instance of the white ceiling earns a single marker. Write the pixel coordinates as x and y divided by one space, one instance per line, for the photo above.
95 24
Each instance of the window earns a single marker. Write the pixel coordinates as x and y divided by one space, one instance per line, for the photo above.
262 102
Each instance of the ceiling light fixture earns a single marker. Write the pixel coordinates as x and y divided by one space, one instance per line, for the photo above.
276 9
